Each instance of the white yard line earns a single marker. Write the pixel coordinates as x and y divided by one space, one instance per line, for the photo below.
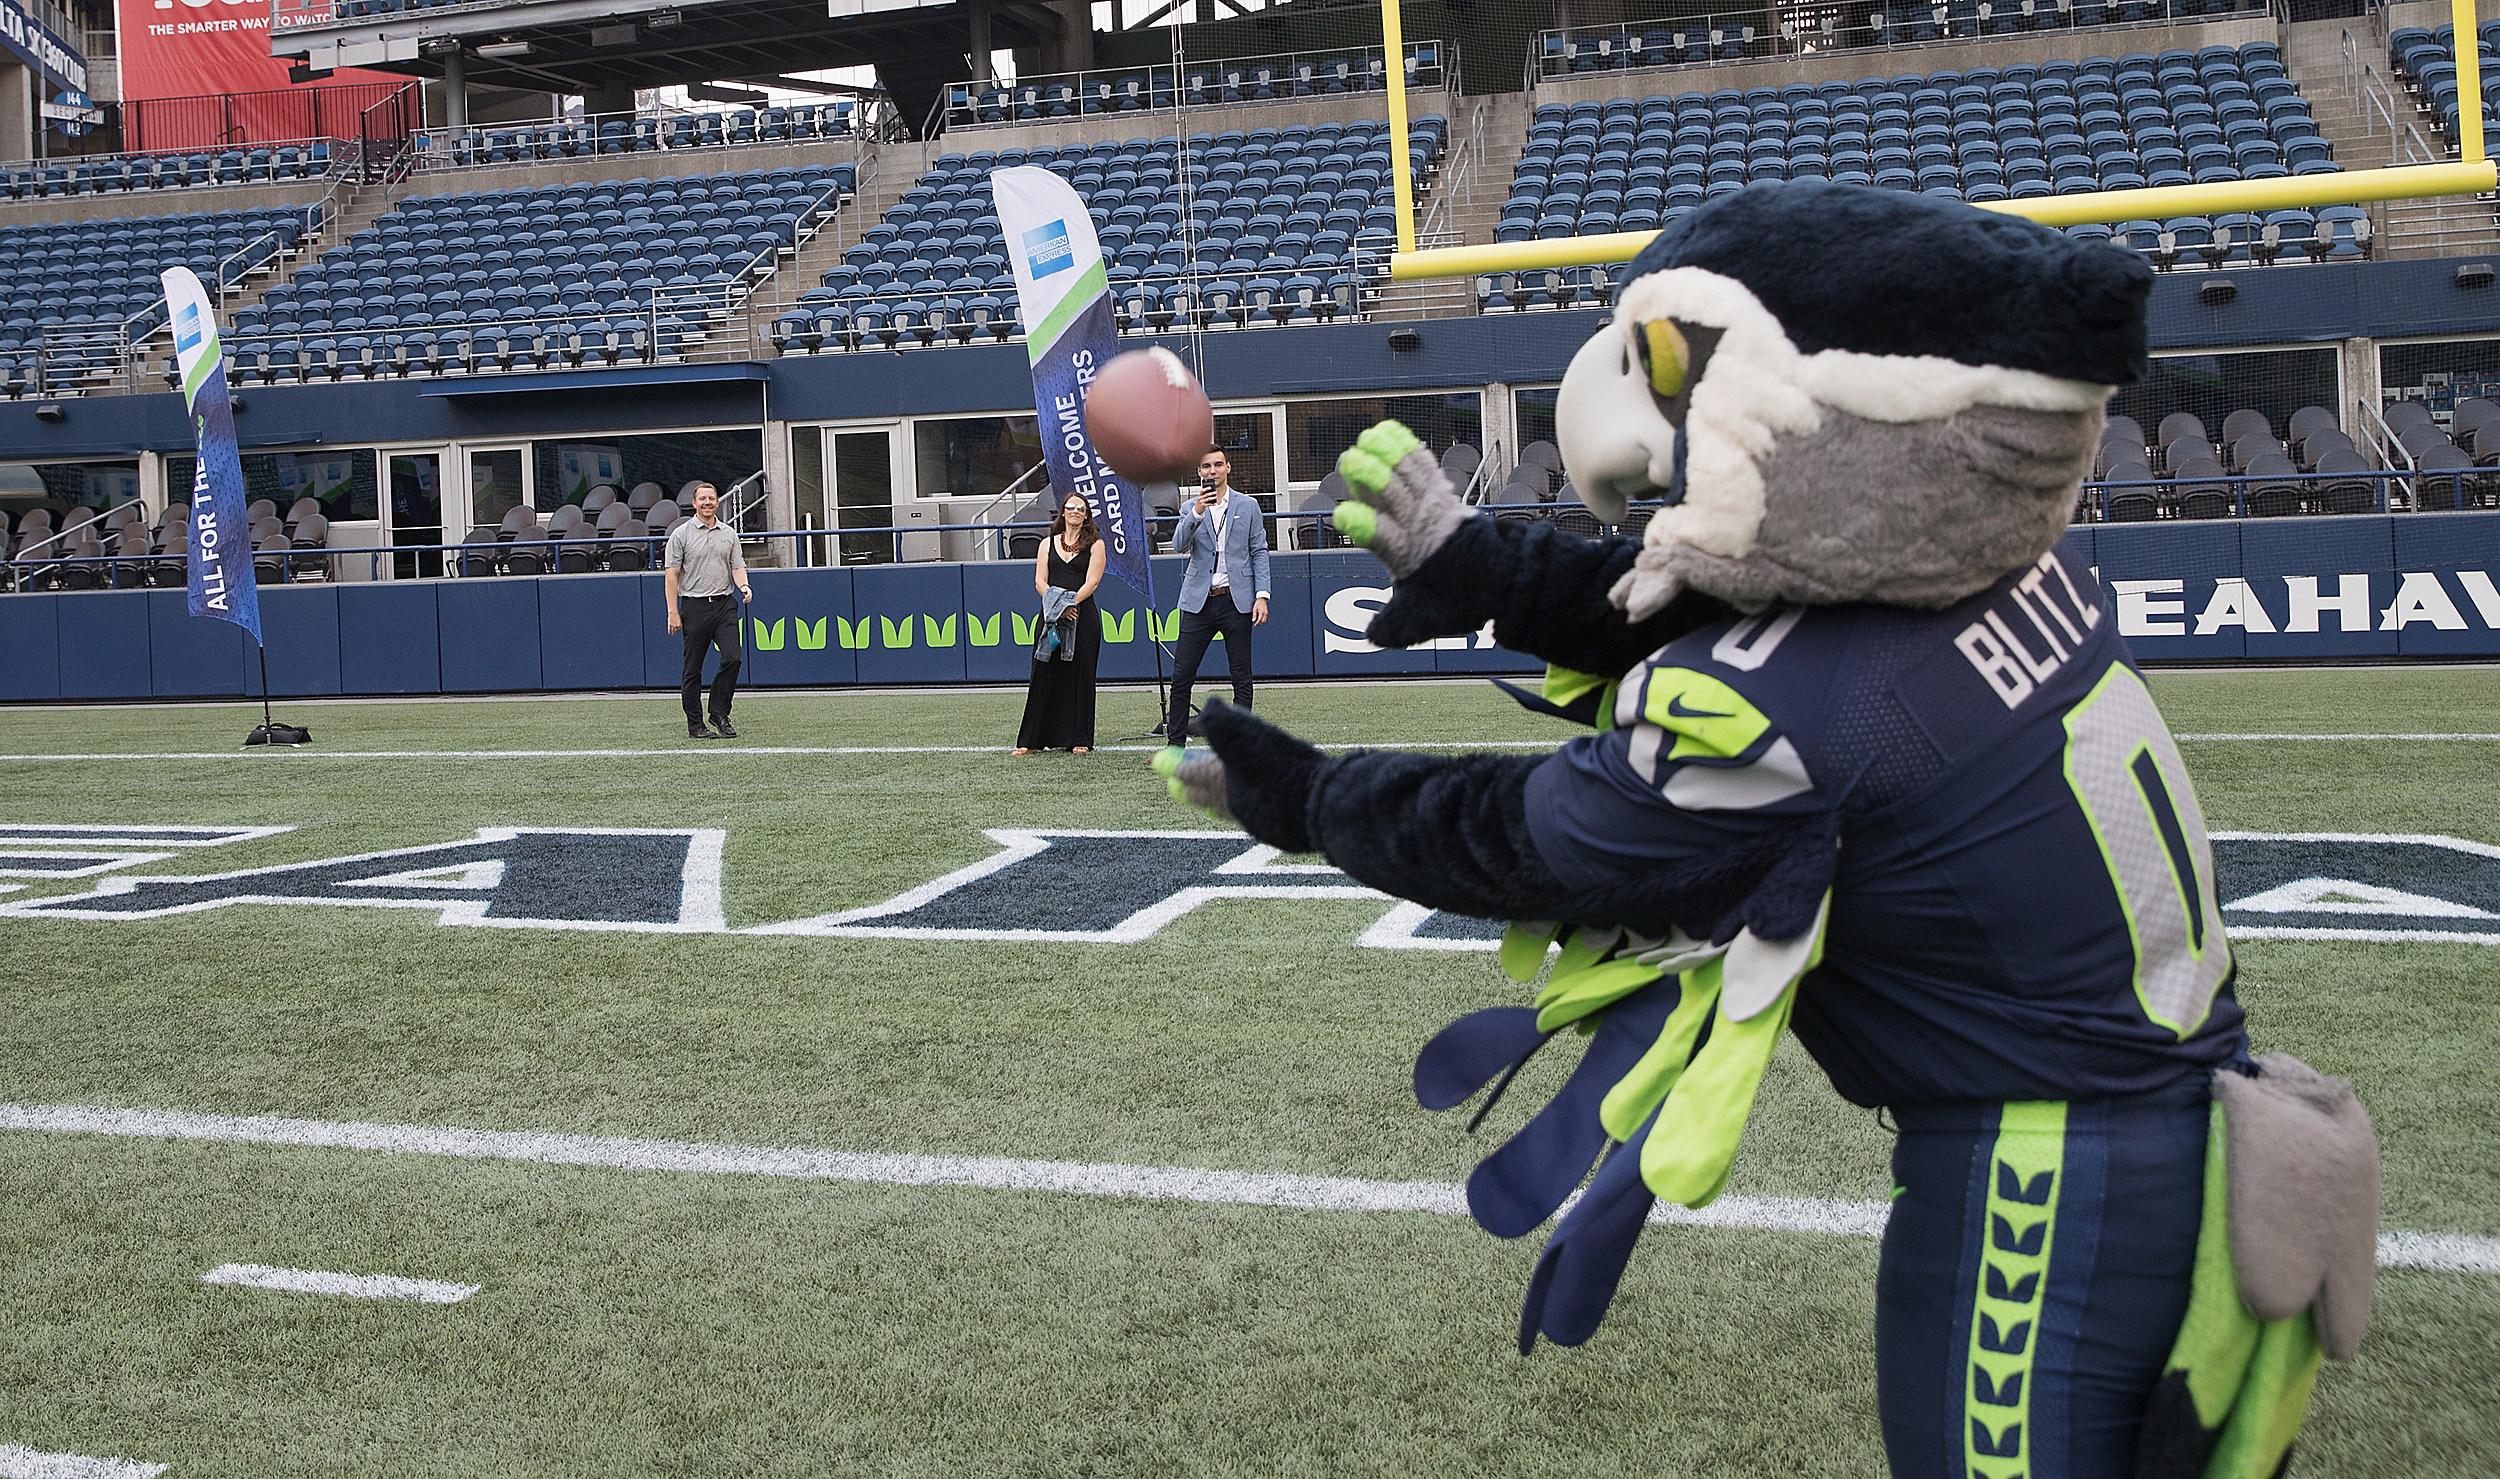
272 756
2334 738
706 752
25 1463
350 1286
2451 1252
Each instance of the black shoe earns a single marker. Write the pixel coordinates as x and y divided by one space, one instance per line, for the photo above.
722 724
697 731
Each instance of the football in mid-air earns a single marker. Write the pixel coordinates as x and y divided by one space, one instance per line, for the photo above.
1149 418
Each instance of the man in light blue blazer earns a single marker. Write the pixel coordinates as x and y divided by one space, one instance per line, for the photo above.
1225 589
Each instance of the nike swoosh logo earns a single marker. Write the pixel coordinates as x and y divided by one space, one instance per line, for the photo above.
1676 709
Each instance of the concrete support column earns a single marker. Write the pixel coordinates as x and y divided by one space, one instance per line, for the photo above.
456 90
1074 51
1499 430
17 113
615 98
2358 368
979 11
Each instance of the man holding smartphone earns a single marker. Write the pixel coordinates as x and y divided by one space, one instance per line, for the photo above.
1224 592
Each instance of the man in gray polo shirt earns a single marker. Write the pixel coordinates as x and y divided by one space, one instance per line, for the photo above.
703 559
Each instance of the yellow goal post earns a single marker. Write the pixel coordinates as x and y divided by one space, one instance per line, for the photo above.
2471 174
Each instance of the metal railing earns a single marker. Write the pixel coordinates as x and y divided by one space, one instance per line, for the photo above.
998 542
910 318
1283 77
871 118
742 498
2383 491
1456 185
76 359
2275 495
214 121
1741 35
284 162
669 325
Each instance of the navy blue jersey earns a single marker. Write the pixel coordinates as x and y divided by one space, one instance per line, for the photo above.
2024 907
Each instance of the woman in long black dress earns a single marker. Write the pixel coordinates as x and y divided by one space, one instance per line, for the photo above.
1059 700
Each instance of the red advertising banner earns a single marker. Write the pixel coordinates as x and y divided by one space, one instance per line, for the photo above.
220 49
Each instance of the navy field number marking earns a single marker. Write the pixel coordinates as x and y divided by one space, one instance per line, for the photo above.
2182 887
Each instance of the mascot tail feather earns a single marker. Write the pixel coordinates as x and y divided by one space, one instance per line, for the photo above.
1575 1278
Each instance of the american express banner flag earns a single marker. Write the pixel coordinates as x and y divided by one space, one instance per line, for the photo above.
1064 297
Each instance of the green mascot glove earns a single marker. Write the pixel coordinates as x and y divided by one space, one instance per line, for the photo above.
1193 779
1399 504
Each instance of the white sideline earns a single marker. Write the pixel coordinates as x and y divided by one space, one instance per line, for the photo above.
267 755
2446 1252
352 1286
25 1463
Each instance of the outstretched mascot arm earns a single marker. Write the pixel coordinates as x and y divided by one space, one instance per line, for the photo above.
1455 832
1447 831
1543 590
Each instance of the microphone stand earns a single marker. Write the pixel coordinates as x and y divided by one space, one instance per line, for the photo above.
1162 700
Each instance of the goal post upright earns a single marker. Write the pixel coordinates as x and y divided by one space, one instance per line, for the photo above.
2469 81
2471 174
1401 158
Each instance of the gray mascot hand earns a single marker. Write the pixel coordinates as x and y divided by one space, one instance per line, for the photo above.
1398 504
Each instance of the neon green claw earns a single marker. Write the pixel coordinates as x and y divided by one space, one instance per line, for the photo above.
1523 948
1365 475
1167 764
1390 441
1356 521
1366 465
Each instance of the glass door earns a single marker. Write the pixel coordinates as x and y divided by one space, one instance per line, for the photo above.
1249 441
807 490
498 484
415 505
863 461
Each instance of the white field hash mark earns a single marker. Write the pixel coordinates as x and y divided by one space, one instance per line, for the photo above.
351 1286
2443 1252
25 1463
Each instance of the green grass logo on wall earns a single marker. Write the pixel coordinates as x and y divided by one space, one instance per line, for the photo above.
1089 887
939 632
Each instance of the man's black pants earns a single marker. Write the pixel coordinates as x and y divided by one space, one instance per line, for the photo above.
710 620
1198 628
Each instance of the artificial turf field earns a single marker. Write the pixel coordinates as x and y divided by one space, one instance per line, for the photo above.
679 1322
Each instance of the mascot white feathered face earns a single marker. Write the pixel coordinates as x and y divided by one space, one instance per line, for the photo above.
1849 394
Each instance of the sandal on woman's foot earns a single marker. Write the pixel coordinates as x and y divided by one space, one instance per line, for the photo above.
1080 749
1018 754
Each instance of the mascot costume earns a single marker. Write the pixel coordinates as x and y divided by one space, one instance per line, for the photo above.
1872 765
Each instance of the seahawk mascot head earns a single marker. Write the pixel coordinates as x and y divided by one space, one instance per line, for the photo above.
1848 394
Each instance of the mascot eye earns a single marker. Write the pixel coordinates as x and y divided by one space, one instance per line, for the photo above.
1666 355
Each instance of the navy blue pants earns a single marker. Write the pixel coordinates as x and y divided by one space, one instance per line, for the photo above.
2034 1275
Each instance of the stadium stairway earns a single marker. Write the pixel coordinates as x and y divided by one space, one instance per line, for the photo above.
1495 159
1460 202
752 323
353 208
2406 228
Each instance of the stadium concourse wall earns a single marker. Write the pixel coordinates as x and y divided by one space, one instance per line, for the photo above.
2291 590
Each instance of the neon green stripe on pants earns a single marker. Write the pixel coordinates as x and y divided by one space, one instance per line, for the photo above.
2025 1166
